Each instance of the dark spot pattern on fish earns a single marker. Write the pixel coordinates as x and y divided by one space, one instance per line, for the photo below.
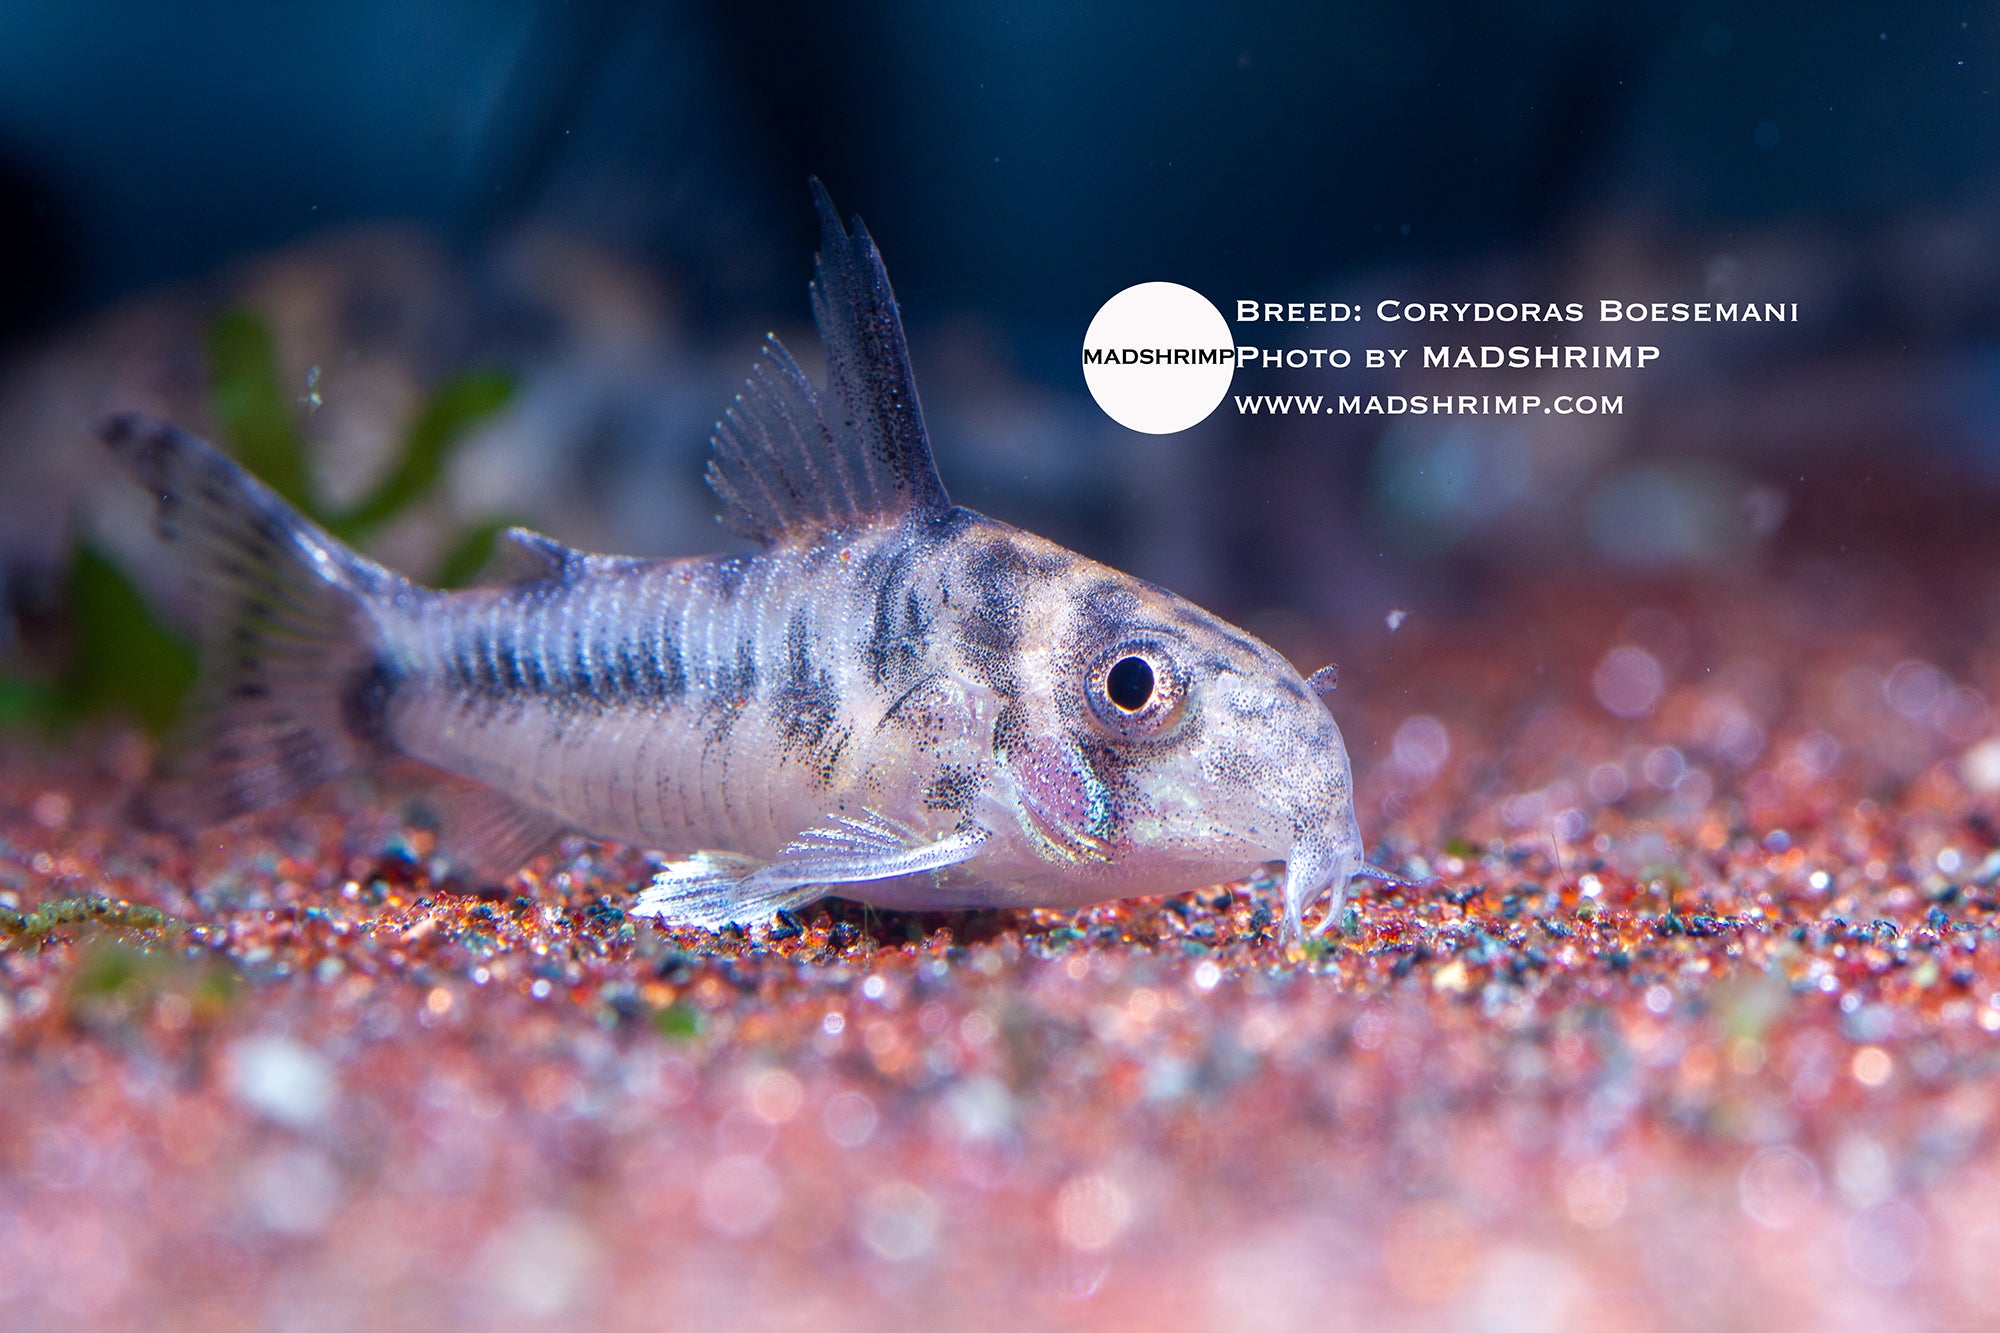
500 658
1208 627
1119 765
997 575
1105 610
1105 615
953 523
510 674
726 577
899 636
461 664
917 712
1244 770
955 788
1249 707
539 679
733 689
581 680
484 679
364 703
1010 730
808 704
663 670
603 664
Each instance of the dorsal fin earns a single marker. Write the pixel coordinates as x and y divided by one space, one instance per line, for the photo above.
791 461
522 555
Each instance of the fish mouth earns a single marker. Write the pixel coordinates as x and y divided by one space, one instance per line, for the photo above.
1318 869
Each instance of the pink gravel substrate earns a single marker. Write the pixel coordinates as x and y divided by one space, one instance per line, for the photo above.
1695 1027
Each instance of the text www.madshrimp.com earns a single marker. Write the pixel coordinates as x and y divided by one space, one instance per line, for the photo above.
1442 405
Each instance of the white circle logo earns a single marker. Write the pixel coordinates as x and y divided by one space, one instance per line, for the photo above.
1159 357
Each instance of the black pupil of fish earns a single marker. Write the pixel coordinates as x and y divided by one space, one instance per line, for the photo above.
1130 683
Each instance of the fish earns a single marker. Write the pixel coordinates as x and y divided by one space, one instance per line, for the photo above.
892 699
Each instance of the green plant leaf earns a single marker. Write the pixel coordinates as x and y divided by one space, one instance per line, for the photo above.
678 1022
469 554
25 700
251 406
458 405
121 660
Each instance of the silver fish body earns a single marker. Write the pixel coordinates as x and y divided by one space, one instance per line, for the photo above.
894 699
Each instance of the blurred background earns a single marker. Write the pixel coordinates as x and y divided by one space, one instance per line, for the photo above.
461 264
1690 710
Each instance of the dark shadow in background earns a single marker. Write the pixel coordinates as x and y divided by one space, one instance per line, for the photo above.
1020 163
1021 160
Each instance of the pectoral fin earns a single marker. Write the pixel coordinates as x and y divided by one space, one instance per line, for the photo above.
716 888
847 850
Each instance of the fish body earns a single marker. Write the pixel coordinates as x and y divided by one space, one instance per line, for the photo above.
894 699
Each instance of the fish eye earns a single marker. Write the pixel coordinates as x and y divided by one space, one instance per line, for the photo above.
1136 691
1129 683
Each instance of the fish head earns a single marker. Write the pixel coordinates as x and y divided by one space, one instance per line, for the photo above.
1148 746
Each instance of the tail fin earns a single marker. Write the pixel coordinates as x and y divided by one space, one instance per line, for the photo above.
292 691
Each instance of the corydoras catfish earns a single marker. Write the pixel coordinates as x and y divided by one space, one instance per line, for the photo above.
894 699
